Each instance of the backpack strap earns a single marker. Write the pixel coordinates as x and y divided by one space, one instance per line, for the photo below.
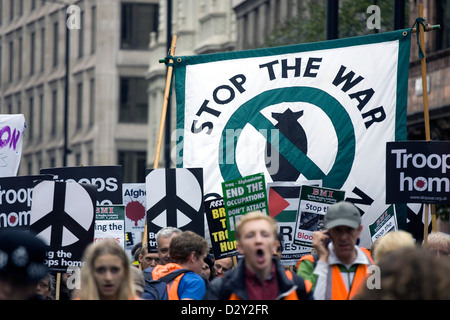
171 276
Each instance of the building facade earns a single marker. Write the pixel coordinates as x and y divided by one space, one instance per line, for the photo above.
106 99
116 83
255 19
201 26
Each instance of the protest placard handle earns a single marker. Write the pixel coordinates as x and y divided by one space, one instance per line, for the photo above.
58 285
163 115
426 116
165 101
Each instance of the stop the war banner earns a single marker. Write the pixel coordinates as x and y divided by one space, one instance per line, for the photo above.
315 111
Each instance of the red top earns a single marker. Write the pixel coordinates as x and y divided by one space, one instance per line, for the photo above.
257 290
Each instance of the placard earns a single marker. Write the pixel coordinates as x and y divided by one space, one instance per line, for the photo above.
242 196
108 180
174 199
110 224
418 172
217 222
313 205
62 215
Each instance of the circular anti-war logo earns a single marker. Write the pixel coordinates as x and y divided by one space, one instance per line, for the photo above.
285 135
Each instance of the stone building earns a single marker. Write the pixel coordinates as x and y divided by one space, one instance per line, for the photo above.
107 92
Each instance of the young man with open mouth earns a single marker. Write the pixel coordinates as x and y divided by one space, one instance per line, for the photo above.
259 276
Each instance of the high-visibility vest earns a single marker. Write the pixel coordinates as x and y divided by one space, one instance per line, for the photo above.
172 286
336 288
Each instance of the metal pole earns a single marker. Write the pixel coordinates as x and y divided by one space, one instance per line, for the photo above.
169 113
399 14
332 19
66 150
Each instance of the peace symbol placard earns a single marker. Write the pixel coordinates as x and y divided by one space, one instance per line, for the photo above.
62 214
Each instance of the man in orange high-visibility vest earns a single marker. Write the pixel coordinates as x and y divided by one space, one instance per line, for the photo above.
339 268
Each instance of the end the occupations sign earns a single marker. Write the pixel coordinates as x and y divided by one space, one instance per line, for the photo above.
418 172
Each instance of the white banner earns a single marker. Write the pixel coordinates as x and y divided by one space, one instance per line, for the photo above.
12 129
318 111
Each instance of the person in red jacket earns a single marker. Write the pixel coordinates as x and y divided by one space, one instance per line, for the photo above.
259 276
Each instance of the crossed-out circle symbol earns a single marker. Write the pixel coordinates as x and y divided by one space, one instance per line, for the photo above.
249 113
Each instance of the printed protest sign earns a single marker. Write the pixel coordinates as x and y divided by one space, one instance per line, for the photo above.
15 200
385 223
174 198
241 196
313 205
108 180
12 129
418 172
217 222
135 203
283 198
62 214
314 111
110 224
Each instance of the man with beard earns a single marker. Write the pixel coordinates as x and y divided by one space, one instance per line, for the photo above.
339 268
259 276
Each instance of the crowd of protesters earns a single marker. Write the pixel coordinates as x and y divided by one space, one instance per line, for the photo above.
394 268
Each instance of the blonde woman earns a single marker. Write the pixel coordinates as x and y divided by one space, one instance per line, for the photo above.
391 241
106 273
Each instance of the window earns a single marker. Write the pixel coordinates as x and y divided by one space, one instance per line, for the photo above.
138 20
31 116
133 100
79 105
1 74
81 36
55 44
32 52
41 114
11 61
11 10
91 102
19 58
443 18
93 28
42 49
54 111
133 164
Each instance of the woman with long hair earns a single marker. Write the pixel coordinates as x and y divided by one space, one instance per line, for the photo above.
106 273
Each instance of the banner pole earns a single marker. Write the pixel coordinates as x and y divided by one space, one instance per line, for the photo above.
163 118
423 65
426 115
165 102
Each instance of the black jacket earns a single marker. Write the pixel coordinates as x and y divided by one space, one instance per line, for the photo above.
234 282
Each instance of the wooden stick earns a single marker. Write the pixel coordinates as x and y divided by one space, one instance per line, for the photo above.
165 102
428 28
163 117
423 65
426 115
58 286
